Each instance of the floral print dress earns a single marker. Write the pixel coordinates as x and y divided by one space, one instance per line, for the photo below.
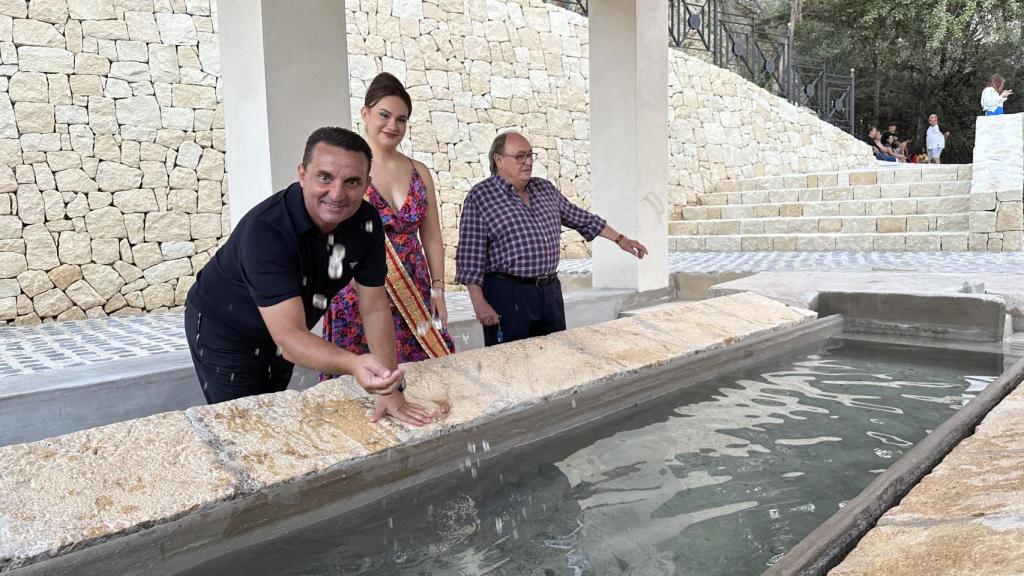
342 323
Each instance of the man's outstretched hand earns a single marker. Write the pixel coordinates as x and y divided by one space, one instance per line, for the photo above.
396 406
634 247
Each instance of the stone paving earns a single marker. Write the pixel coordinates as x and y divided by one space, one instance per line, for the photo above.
991 262
34 349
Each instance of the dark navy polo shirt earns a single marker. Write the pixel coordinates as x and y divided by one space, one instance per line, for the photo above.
275 253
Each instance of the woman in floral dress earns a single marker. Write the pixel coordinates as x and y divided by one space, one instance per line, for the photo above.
402 190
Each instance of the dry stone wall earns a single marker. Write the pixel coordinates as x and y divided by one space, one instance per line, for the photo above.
725 128
475 68
112 184
111 155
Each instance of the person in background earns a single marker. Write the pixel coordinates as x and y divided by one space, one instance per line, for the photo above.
874 139
891 138
893 146
248 315
402 192
993 96
509 245
935 139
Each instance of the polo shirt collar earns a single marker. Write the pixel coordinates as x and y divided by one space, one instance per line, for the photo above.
296 204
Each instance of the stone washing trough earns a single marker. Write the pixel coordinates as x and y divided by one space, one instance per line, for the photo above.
163 493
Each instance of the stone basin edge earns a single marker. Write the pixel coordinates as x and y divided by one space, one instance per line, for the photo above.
73 492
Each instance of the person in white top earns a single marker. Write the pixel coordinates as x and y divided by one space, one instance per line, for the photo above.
993 96
935 139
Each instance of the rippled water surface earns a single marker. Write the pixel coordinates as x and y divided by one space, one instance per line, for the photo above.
719 479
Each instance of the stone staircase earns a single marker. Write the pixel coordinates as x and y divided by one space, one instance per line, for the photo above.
904 208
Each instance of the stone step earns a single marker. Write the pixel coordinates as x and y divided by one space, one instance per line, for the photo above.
906 242
829 225
835 193
896 175
861 207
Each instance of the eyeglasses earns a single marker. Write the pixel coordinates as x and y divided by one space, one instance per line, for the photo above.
522 156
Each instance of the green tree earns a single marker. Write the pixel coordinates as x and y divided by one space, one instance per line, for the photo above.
915 57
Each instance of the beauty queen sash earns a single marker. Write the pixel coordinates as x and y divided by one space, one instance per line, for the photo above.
409 302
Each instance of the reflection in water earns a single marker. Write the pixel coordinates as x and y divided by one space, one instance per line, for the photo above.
718 479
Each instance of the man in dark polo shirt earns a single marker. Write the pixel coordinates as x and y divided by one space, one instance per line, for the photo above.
248 316
509 246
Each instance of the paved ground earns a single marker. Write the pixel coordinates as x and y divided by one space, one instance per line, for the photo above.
993 262
34 349
29 349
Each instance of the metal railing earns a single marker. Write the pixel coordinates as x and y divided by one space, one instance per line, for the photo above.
578 6
829 94
765 57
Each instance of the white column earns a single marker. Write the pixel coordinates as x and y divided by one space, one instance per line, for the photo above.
285 73
629 138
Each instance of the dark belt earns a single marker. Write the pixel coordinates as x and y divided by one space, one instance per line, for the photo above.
535 281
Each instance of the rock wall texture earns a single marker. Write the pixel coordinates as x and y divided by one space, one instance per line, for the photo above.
112 184
475 68
997 184
725 128
111 155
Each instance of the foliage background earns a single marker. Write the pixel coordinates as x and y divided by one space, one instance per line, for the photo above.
914 57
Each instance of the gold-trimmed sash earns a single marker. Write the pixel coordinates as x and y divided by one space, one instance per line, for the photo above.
409 301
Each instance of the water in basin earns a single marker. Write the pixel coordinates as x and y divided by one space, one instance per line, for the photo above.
720 478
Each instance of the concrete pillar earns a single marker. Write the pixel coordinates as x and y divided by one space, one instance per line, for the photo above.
629 138
285 72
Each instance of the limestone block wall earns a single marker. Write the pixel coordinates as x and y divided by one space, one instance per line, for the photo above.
724 128
112 184
111 155
473 69
997 184
476 68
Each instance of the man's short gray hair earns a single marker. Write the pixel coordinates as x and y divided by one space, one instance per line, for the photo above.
497 147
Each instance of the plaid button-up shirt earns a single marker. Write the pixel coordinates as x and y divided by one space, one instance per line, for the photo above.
499 233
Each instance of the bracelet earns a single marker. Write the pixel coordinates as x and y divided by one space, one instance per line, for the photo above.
619 238
435 281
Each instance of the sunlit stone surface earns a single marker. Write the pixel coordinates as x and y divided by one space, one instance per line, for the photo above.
68 491
966 517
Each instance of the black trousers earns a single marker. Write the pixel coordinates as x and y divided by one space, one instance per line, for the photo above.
229 368
525 309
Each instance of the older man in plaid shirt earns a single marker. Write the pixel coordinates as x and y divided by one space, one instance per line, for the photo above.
509 245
